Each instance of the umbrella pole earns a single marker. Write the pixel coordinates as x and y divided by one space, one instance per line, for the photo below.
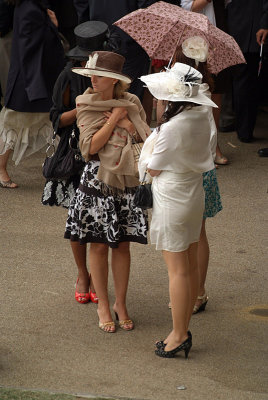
170 61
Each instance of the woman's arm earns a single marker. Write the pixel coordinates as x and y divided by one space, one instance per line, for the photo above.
101 137
198 5
154 172
67 118
194 5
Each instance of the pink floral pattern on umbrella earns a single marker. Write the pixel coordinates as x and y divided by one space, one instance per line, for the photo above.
160 28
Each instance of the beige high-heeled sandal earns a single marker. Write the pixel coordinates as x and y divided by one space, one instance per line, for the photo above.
203 304
125 324
104 325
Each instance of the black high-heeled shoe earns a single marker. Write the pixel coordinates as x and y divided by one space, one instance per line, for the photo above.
185 346
161 343
202 306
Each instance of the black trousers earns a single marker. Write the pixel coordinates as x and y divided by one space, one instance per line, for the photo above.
247 88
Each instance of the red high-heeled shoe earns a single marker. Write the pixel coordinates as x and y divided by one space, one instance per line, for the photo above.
82 298
93 297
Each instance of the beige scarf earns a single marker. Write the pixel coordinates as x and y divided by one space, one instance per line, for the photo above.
116 157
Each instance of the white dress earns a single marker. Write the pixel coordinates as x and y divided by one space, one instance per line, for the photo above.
24 132
181 149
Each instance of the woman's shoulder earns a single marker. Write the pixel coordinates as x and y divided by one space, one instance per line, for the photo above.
87 96
132 98
187 118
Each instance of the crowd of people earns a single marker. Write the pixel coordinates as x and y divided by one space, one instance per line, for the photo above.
100 89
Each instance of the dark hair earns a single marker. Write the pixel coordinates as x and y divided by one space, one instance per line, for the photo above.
174 108
202 67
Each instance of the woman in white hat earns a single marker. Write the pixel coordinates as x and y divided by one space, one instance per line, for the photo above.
181 153
102 212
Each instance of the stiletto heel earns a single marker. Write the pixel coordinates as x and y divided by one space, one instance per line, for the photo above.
124 323
186 352
184 346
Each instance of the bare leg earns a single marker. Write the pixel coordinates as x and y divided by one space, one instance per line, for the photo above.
3 168
194 277
121 268
180 296
98 259
203 259
80 257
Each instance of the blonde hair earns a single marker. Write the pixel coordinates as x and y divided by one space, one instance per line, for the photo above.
120 88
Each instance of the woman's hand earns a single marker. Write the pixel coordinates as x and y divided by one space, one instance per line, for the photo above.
154 172
52 17
119 113
261 36
122 121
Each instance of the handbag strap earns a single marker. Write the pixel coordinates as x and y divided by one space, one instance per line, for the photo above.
73 139
143 182
135 143
51 146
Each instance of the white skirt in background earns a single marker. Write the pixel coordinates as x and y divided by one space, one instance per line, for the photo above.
24 133
178 206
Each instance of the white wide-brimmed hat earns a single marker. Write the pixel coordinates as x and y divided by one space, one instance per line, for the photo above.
179 83
104 63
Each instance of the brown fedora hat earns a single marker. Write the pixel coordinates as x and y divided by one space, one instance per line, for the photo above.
104 63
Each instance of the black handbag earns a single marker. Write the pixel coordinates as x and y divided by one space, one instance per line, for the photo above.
143 197
66 161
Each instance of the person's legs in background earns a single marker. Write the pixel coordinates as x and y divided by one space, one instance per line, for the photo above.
220 159
246 88
5 180
227 115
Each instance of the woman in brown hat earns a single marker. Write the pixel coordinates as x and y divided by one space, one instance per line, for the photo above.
102 212
90 36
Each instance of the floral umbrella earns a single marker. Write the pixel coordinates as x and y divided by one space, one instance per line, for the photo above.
160 28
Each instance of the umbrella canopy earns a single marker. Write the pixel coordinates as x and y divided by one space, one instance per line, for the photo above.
162 27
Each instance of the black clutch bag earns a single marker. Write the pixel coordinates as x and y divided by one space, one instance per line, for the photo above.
143 197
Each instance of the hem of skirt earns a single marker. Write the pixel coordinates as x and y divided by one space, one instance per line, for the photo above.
113 245
211 215
54 205
173 251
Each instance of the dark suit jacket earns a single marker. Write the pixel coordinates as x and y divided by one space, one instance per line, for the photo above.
37 58
245 18
6 17
110 11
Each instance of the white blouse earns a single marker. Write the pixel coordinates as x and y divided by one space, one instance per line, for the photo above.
180 145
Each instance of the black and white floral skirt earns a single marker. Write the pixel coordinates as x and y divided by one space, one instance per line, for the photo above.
97 218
